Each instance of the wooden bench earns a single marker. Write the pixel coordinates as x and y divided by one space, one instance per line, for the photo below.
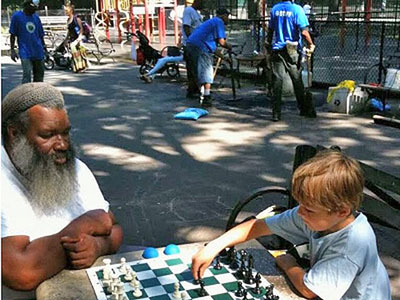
381 202
54 22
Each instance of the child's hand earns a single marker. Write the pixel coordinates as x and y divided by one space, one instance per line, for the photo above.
201 260
286 261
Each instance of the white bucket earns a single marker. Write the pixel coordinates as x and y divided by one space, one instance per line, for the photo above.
304 78
393 79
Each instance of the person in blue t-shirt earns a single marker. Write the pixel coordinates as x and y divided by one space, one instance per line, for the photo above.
27 28
201 45
287 26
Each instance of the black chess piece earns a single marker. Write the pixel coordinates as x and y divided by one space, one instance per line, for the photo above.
233 259
196 281
229 257
217 265
245 295
250 262
202 292
240 289
248 277
269 291
257 289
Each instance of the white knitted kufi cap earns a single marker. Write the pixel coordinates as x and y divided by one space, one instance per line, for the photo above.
28 95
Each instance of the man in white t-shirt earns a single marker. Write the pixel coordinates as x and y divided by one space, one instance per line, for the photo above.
190 21
53 214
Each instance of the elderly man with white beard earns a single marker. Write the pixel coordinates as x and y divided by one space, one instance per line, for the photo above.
53 214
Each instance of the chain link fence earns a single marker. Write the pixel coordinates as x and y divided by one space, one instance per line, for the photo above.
347 49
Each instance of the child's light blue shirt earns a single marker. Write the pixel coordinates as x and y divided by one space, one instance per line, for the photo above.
344 264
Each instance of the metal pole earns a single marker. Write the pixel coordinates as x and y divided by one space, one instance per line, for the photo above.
118 21
176 30
146 20
381 53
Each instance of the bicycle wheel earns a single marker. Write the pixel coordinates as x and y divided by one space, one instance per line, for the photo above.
375 75
144 69
49 63
173 71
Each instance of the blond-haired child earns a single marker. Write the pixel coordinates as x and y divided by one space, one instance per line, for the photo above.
344 257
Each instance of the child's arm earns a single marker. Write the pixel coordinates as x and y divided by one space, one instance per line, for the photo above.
295 273
243 232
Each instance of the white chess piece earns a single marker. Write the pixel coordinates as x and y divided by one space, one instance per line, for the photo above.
137 292
107 271
176 295
134 282
183 295
113 283
128 275
124 267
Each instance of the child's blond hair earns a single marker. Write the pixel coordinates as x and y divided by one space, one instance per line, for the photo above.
331 180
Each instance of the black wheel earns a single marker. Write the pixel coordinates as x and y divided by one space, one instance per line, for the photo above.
375 75
144 69
49 63
173 71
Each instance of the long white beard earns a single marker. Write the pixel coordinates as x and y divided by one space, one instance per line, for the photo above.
52 187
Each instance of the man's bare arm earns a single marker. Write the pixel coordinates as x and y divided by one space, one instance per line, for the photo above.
82 251
307 37
224 44
25 263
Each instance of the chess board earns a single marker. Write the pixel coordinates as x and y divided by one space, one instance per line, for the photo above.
157 277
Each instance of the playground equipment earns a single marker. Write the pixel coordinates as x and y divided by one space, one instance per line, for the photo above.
130 15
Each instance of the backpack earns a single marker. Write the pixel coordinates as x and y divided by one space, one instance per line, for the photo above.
86 29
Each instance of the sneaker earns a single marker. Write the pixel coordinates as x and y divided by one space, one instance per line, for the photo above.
207 101
276 117
146 78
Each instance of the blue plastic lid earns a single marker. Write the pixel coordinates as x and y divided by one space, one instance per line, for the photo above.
171 249
150 252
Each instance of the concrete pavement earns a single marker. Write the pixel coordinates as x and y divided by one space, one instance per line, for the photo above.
172 181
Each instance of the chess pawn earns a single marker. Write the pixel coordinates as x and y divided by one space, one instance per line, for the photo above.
123 268
113 283
176 294
128 275
183 295
239 291
134 282
137 292
107 271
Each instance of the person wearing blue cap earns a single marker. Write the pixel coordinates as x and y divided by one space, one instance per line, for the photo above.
27 28
200 46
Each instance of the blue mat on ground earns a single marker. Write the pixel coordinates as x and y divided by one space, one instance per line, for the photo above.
191 114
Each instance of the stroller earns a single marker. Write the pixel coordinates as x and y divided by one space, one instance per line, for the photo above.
60 57
151 55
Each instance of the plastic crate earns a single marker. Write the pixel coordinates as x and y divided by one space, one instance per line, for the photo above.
347 103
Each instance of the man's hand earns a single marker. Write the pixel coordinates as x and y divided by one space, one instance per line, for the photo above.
82 251
310 50
286 261
14 55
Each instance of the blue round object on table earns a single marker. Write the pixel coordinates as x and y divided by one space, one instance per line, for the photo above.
150 252
171 249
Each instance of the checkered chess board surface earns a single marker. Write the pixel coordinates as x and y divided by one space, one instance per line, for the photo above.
157 277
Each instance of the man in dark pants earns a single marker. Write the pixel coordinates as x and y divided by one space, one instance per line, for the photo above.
190 21
27 28
288 25
201 45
